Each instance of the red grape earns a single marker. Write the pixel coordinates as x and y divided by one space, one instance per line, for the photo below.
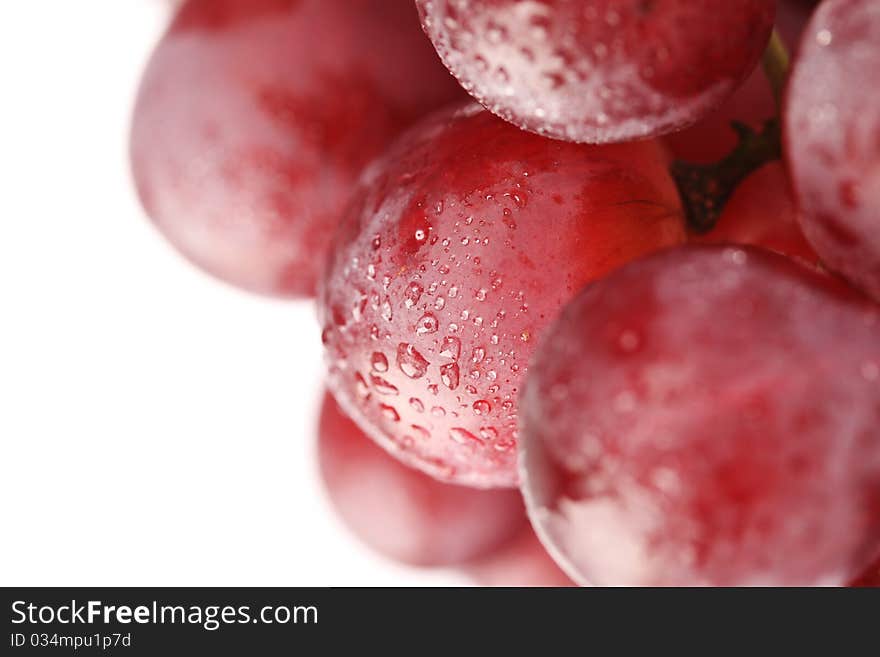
870 577
403 513
832 134
708 416
711 138
600 71
461 245
522 562
761 212
792 17
255 118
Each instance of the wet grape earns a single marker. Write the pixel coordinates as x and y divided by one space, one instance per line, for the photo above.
603 70
708 416
255 118
832 137
460 246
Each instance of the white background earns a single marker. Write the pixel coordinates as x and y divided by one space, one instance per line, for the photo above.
156 427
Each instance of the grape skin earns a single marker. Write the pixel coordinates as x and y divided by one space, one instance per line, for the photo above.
707 416
522 562
402 513
461 244
761 212
871 577
712 137
792 17
832 137
600 71
255 118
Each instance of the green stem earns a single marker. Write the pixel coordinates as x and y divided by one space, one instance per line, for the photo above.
706 188
776 62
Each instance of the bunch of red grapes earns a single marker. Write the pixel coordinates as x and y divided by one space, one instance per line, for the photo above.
635 282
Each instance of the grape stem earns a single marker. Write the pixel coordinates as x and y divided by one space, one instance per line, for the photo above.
706 188
776 63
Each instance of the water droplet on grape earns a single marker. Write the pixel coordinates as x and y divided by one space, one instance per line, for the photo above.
379 362
427 324
359 306
389 412
412 294
421 431
383 387
387 312
410 361
462 436
449 375
504 445
482 407
450 348
361 387
507 218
